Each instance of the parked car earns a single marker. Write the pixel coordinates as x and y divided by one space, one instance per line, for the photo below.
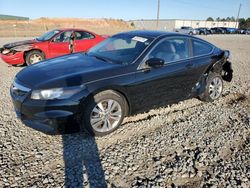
247 32
128 73
244 31
231 30
186 30
52 44
202 31
225 30
217 30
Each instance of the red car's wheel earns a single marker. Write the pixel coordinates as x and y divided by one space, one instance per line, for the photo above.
34 57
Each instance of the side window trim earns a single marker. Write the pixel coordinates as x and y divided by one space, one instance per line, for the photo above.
190 48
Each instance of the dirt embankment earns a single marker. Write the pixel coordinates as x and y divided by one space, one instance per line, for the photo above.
10 28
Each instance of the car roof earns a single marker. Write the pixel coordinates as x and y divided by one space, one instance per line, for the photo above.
155 34
74 29
150 33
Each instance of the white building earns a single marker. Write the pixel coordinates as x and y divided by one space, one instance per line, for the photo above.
171 24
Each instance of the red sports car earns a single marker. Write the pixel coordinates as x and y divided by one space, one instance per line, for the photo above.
52 44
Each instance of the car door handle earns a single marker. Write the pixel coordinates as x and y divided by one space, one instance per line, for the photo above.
189 65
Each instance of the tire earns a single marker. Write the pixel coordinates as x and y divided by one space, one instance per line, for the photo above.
191 33
102 123
213 88
33 57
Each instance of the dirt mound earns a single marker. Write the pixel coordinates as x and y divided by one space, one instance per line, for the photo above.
17 28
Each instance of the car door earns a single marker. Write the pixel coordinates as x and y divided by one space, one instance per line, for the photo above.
59 45
83 41
166 84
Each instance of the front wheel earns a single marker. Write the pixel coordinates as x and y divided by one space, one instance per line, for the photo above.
104 113
33 57
213 89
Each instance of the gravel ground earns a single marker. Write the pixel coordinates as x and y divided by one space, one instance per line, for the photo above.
189 144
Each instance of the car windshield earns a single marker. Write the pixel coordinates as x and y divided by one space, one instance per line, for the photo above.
122 49
48 35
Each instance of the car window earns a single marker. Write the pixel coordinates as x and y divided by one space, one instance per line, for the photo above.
201 48
80 35
123 49
48 35
63 37
122 44
169 50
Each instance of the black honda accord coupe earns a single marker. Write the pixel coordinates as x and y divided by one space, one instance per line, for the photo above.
128 73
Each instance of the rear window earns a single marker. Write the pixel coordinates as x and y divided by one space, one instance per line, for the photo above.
201 48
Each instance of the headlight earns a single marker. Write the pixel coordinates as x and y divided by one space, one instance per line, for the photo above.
55 93
22 48
6 51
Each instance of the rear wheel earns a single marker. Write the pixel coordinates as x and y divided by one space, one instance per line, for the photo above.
33 57
104 113
214 87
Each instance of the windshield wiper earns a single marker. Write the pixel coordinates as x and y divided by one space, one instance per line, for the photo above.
98 57
103 58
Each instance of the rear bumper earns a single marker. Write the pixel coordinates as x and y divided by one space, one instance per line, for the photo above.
14 59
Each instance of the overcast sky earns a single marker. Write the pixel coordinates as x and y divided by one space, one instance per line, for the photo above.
125 9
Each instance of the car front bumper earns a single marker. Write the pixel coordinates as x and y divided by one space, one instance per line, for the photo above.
13 59
58 117
50 117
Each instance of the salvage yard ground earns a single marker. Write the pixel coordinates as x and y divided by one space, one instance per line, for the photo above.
192 143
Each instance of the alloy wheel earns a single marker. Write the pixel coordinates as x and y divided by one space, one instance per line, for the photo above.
215 88
106 115
35 58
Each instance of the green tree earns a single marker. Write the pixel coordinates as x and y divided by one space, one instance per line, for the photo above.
132 24
218 19
242 23
210 19
248 22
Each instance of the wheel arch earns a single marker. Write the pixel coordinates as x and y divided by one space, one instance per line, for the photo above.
33 49
224 69
117 89
215 67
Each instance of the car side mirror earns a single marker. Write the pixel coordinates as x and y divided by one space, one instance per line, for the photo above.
155 62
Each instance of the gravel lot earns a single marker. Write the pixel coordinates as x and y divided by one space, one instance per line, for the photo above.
190 144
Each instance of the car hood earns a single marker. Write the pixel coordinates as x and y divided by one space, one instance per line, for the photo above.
69 70
20 43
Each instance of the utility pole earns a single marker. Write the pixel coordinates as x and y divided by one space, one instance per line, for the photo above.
237 19
158 14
